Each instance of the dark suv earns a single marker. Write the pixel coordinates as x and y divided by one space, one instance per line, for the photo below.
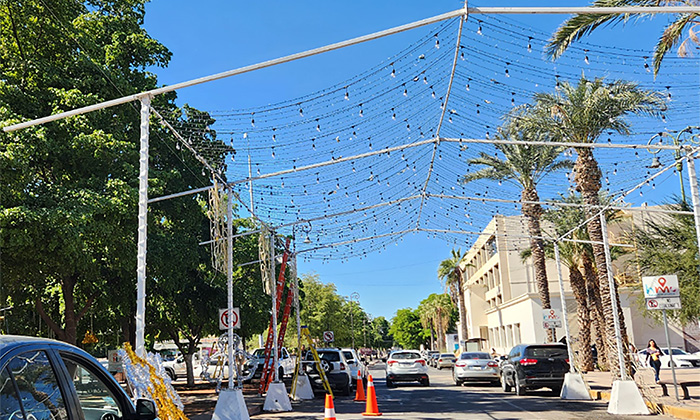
533 366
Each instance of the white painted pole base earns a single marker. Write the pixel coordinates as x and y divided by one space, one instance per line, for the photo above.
574 388
625 398
277 398
303 389
230 406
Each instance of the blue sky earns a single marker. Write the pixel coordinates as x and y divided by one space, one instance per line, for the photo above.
210 36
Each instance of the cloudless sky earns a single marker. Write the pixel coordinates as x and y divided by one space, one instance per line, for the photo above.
210 36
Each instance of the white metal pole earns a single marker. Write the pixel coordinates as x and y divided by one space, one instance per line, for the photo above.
693 178
296 311
229 282
274 306
142 228
613 297
670 354
564 314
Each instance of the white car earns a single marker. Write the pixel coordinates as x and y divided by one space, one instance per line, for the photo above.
406 366
681 358
357 368
177 368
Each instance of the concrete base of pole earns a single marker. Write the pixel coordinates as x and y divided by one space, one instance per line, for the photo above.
230 406
574 388
277 398
625 398
303 389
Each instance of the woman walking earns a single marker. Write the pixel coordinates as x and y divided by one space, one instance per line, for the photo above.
654 358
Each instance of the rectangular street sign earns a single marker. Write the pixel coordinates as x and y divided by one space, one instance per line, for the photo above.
663 303
551 319
660 286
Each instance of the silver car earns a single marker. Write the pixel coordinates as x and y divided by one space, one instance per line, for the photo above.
445 360
475 366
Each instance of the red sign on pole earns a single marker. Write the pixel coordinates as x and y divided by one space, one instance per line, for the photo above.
224 318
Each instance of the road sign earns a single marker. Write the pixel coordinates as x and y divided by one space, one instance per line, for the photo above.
551 318
660 286
328 336
114 362
664 303
235 319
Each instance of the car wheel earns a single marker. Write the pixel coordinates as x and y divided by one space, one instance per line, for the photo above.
171 374
439 368
425 382
389 383
519 389
556 391
280 373
504 384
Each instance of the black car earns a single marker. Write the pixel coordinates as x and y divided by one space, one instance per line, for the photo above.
534 366
43 379
334 366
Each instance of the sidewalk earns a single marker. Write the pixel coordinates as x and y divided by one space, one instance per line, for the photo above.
600 384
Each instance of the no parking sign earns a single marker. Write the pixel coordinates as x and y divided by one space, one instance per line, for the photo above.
224 318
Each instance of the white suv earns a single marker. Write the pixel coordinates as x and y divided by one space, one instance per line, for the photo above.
357 367
406 366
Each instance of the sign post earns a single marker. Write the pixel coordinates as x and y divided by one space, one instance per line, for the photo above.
661 293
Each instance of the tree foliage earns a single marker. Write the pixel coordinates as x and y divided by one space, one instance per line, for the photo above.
407 330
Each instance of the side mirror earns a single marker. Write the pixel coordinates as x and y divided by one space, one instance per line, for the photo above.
145 409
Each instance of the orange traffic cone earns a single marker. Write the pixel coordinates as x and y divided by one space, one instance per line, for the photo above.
371 408
360 391
330 410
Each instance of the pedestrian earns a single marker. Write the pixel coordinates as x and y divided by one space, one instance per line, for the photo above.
494 354
654 358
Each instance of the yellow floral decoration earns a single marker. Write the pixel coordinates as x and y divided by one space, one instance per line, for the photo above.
89 338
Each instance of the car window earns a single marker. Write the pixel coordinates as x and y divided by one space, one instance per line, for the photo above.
38 387
447 355
259 353
676 352
348 355
96 400
475 356
556 352
9 403
330 356
405 356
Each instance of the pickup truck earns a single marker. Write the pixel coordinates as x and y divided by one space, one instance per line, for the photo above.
286 363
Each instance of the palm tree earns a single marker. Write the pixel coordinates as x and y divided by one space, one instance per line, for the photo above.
581 25
524 166
580 114
437 310
451 272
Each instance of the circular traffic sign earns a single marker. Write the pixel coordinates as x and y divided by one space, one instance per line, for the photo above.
328 336
224 318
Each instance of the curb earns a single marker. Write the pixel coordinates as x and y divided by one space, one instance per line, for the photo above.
671 410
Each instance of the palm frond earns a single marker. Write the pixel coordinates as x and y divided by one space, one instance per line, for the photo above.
672 34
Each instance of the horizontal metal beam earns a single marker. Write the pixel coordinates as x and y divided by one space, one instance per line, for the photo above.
568 144
581 10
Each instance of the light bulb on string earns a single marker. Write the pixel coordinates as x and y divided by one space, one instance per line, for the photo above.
646 65
405 91
301 113
425 80
668 92
461 55
347 95
393 115
512 98
393 70
177 145
437 42
252 119
468 81
529 44
585 57
507 73
361 111
478 31
318 126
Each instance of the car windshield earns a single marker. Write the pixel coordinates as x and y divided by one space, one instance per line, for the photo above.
475 356
348 355
259 353
546 352
331 356
405 356
675 352
447 355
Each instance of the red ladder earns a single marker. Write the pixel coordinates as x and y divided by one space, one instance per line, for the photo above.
268 372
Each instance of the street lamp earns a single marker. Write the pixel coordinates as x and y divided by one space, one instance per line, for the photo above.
354 297
306 229
678 138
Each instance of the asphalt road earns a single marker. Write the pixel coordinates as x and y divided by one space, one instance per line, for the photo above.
444 400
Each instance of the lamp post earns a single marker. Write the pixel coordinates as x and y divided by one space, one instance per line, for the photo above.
354 297
678 138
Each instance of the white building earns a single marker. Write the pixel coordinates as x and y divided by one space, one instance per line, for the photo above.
502 301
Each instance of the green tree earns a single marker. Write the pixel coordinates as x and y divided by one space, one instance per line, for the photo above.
438 310
407 330
580 114
451 272
525 166
682 29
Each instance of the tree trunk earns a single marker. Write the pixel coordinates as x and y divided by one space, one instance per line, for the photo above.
578 286
462 310
587 178
532 213
69 332
596 310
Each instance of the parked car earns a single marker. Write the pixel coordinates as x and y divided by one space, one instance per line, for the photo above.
286 363
335 367
357 368
46 379
681 358
476 366
177 368
432 361
406 366
445 360
534 366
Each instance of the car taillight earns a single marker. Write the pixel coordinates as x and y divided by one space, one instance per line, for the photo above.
528 362
567 361
492 364
391 362
461 364
342 366
421 362
439 360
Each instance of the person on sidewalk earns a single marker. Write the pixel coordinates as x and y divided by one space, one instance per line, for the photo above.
654 358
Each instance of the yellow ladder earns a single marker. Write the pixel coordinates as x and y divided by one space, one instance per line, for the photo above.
297 370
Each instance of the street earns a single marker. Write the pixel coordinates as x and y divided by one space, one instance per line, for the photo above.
444 400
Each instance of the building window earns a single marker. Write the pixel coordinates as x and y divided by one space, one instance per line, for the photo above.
516 333
509 336
491 247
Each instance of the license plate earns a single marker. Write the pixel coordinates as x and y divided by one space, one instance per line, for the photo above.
476 367
405 364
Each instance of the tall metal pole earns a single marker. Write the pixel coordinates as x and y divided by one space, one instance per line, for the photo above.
142 226
563 309
613 297
296 304
274 306
229 282
693 178
670 354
